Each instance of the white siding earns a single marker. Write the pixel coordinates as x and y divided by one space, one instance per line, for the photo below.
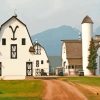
87 30
64 59
16 68
45 64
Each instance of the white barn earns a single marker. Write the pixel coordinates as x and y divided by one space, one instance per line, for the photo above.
19 57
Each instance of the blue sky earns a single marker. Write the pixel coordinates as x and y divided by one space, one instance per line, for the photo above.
40 15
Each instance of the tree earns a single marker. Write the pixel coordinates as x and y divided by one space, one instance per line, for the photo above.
92 65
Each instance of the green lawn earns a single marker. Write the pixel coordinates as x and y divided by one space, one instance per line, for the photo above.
21 90
84 80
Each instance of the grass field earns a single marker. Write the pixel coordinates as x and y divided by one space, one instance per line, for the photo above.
21 90
90 81
84 80
33 89
95 81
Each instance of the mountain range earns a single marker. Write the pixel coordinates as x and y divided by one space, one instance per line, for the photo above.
51 39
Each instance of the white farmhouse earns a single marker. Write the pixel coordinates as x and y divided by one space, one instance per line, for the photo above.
41 62
19 57
75 52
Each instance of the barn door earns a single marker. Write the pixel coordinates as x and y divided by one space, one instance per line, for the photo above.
29 69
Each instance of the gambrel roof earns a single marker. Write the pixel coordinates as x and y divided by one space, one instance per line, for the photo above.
15 17
11 19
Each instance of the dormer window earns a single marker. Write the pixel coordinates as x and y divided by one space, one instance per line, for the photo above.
3 41
23 41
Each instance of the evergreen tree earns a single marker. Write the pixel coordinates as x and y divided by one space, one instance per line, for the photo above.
92 65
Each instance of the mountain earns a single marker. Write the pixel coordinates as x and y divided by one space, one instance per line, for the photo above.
51 39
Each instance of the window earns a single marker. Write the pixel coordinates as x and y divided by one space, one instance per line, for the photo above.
37 49
23 41
3 41
37 72
72 66
69 67
37 63
41 61
13 51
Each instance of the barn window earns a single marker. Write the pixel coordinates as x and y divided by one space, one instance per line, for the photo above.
41 61
23 41
37 63
69 67
3 41
13 51
72 66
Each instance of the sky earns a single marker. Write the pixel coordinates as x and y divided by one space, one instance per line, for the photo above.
40 15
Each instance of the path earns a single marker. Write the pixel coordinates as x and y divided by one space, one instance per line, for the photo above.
59 90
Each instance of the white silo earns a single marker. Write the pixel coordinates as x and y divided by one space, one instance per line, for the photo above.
87 30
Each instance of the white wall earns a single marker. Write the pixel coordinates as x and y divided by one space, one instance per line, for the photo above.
45 65
64 58
16 68
87 30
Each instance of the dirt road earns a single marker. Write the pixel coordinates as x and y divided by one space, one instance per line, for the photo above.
59 90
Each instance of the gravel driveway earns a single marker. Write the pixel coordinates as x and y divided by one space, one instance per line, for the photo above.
59 90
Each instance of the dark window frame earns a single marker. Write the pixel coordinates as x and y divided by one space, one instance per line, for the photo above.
37 63
3 41
11 56
23 41
42 62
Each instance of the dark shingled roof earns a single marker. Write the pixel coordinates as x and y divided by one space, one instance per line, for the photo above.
87 19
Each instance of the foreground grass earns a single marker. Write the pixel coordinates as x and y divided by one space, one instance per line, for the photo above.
94 81
91 81
21 90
